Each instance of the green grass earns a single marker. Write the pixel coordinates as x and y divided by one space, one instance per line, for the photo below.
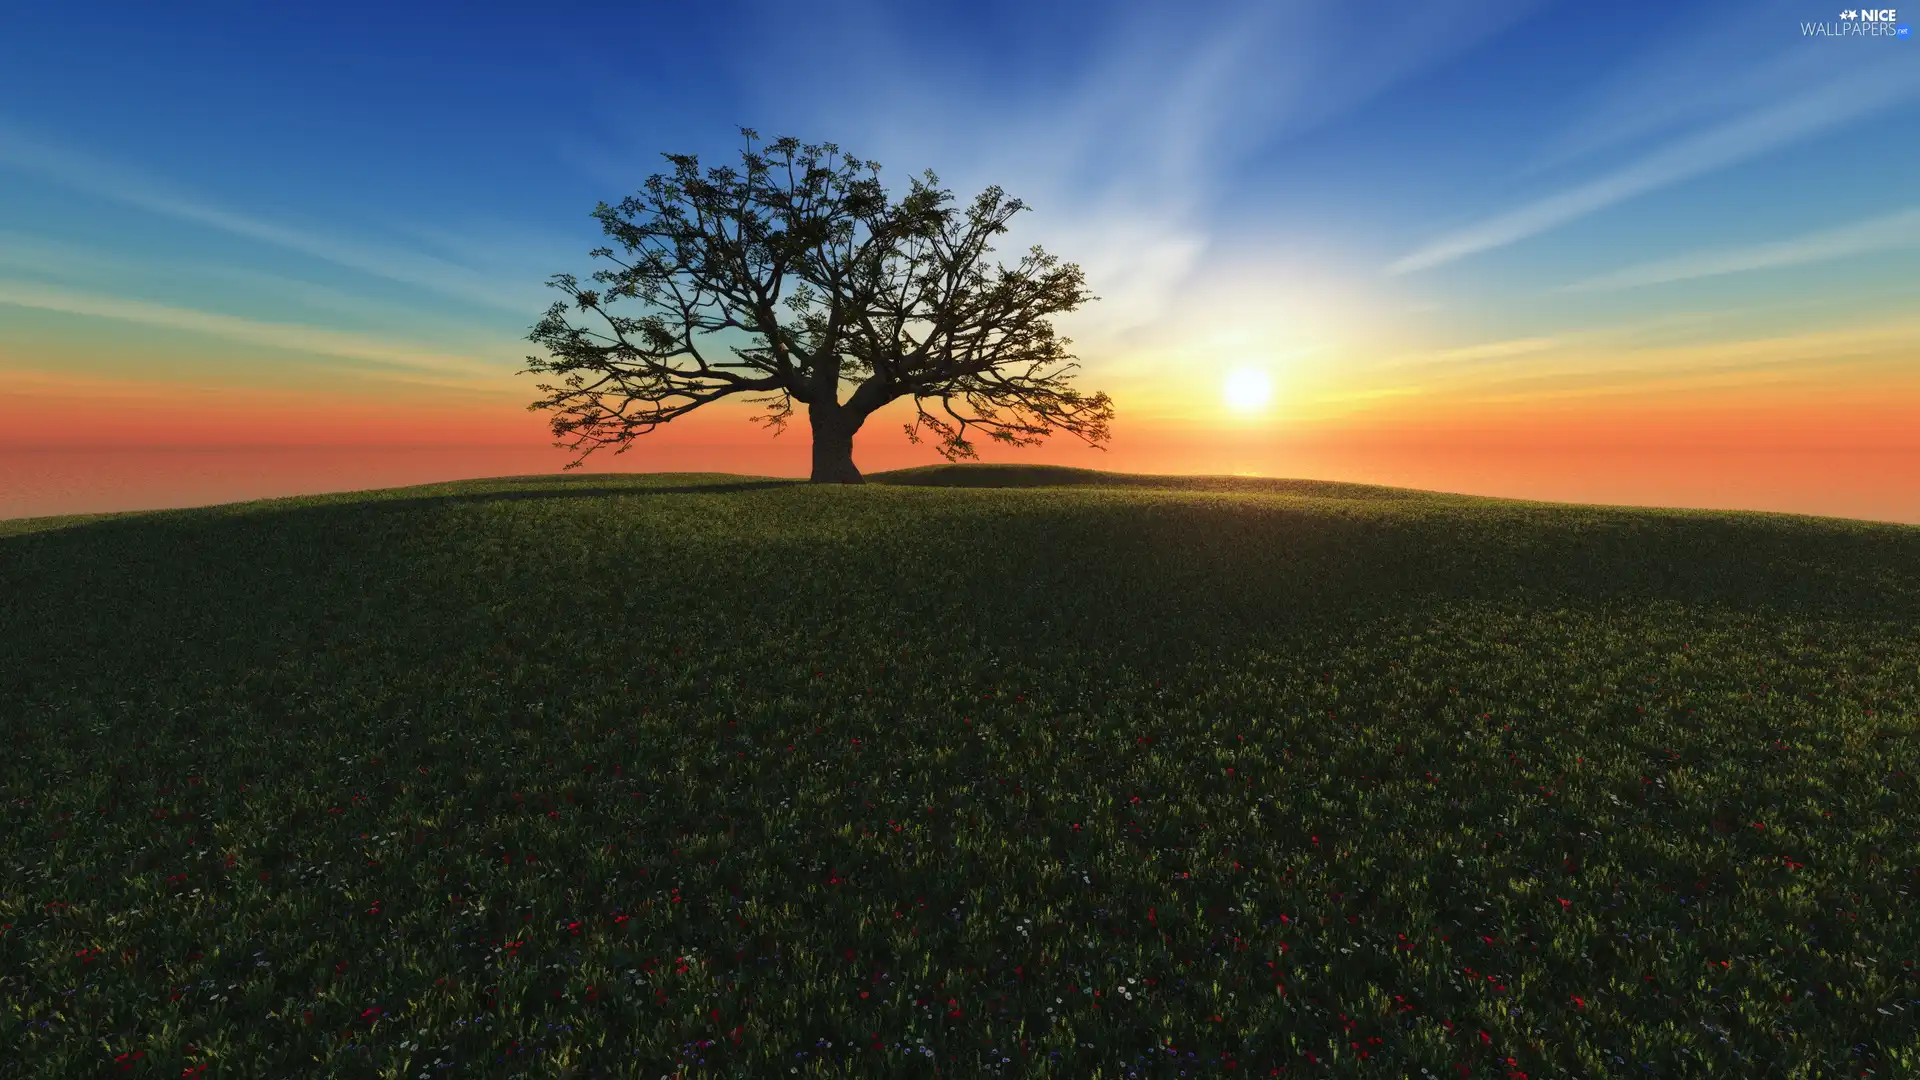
985 772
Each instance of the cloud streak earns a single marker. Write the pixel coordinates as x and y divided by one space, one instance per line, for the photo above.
1835 102
1883 233
291 336
1702 64
97 177
1581 364
1497 349
1123 162
42 259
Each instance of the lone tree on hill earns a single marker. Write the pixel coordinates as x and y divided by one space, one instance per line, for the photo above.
890 298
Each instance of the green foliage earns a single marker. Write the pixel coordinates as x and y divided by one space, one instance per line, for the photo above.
894 297
708 776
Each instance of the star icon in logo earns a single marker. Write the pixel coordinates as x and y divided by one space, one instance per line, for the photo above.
1849 14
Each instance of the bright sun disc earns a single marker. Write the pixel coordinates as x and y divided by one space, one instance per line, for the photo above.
1247 389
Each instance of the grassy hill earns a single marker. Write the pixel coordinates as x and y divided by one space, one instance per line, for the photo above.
968 771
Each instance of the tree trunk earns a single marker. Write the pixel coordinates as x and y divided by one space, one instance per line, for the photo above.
833 430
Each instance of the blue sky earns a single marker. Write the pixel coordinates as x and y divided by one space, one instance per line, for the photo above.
1372 198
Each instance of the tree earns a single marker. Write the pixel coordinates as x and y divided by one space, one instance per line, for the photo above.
888 298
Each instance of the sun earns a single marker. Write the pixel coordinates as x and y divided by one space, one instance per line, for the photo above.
1247 390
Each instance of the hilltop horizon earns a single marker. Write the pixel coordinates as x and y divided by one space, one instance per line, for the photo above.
964 474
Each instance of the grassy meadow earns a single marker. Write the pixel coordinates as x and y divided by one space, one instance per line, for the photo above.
971 771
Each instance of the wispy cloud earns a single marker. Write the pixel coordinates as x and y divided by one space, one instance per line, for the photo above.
1701 64
1596 367
1734 84
502 251
370 353
1359 397
54 261
1465 357
129 186
1497 349
1883 233
1581 365
1674 334
1122 153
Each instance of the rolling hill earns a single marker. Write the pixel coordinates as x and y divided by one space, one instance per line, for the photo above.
970 770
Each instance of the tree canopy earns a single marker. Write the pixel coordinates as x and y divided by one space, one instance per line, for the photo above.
796 278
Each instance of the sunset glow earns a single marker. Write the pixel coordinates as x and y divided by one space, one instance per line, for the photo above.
1248 390
1509 248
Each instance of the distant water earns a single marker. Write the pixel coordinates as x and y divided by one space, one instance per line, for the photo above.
1877 485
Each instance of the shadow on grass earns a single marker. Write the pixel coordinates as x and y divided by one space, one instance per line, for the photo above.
245 587
1020 476
363 501
580 485
420 502
627 481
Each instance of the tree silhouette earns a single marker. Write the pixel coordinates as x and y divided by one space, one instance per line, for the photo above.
889 298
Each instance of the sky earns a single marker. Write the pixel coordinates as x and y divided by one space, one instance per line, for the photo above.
1648 254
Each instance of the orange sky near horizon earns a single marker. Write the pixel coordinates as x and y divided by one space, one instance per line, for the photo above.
79 445
1505 249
